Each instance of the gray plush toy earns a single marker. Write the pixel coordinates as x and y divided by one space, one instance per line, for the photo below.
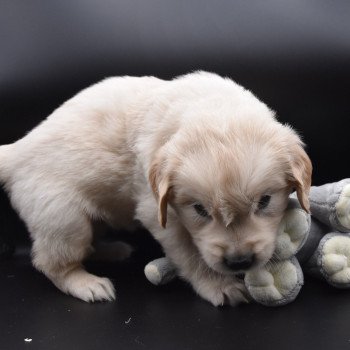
320 243
330 234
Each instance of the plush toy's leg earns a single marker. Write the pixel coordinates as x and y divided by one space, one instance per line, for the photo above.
317 231
267 286
160 271
330 204
278 283
331 260
293 231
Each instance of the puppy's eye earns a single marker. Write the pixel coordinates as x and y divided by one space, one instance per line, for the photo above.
264 202
201 210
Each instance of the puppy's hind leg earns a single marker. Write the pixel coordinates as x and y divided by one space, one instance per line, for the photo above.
58 251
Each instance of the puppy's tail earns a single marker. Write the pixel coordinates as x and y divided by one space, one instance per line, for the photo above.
4 155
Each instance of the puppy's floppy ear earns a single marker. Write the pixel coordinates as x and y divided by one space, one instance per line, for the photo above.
160 183
300 175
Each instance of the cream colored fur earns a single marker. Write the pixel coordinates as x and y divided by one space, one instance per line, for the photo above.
143 148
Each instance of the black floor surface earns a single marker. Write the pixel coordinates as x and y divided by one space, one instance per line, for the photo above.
167 318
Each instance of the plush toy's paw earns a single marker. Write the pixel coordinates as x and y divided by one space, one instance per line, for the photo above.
278 283
334 259
160 271
222 290
293 231
342 210
330 204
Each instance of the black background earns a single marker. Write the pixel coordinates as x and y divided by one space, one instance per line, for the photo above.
294 55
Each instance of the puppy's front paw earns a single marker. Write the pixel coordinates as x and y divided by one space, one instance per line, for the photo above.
87 287
222 290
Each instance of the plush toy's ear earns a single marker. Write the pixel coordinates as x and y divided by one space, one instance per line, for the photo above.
160 183
300 176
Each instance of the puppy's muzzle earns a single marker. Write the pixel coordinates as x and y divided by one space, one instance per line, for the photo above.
239 262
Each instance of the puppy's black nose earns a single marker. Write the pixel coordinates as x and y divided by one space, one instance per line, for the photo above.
239 262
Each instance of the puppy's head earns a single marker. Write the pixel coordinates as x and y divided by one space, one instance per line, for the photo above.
229 189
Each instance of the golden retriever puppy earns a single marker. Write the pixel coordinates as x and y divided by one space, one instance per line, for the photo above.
199 161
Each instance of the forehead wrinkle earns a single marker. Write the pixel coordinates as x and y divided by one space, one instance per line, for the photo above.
232 206
227 216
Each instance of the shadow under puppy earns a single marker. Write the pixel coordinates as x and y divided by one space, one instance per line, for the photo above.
199 160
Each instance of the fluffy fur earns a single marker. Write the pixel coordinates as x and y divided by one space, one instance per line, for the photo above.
147 149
